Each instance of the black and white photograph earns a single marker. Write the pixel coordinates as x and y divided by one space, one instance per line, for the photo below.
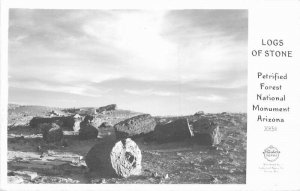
127 96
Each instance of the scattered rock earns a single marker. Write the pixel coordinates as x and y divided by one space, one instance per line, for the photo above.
52 132
214 180
122 158
177 130
154 174
166 176
26 175
103 181
206 132
135 126
39 149
59 180
15 180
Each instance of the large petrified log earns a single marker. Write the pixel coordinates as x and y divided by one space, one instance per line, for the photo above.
206 132
173 131
115 159
52 132
66 122
135 126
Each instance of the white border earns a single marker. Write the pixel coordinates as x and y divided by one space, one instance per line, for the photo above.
120 4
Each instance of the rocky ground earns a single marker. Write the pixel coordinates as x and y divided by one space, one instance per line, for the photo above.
32 160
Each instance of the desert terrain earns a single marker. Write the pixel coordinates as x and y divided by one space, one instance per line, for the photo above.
32 160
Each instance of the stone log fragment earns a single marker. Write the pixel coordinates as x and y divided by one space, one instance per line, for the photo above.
77 120
66 122
87 131
206 132
135 126
122 158
173 131
52 132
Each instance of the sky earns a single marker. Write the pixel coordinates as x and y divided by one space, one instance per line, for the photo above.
162 62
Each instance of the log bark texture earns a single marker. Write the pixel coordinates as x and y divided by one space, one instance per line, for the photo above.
135 126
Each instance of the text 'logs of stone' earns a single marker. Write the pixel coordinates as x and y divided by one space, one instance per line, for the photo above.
276 49
270 92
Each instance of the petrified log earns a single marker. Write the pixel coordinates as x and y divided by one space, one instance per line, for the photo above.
52 132
115 159
76 126
77 120
177 130
206 132
66 123
135 126
87 131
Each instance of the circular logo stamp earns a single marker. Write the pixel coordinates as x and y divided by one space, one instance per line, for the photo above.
271 153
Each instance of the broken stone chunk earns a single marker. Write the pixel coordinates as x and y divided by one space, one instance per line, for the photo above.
177 130
206 132
52 132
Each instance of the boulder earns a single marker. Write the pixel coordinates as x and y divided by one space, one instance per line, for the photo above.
87 131
26 175
110 107
135 126
15 180
122 158
52 132
178 130
206 132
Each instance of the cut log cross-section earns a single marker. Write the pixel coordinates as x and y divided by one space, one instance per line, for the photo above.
115 159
